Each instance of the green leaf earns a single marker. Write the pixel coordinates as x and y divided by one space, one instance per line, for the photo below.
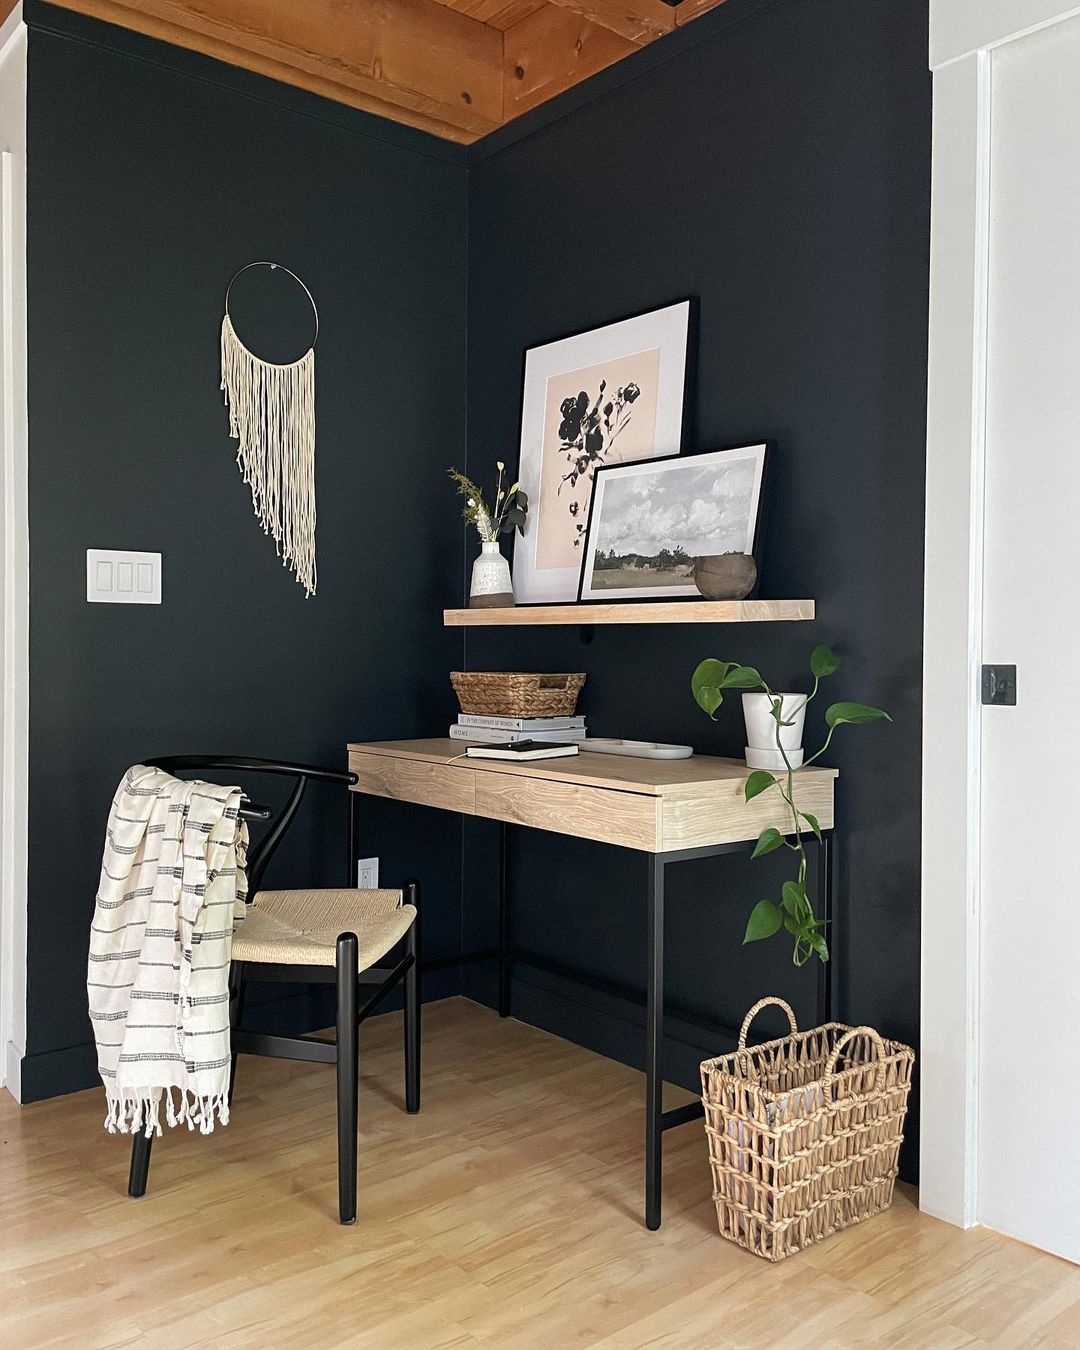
764 921
796 903
823 661
741 677
856 713
707 683
812 821
712 678
806 938
757 782
767 841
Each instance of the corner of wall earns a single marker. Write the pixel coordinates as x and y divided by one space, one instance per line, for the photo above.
14 558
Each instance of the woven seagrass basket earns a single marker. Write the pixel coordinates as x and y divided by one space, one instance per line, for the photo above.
804 1132
509 695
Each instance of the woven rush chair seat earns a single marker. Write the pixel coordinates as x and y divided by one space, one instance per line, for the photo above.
300 928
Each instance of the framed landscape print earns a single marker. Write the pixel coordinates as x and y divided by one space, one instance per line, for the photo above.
607 396
649 521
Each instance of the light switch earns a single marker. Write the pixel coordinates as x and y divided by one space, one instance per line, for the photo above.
120 577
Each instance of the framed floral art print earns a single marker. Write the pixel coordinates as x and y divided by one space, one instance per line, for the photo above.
611 395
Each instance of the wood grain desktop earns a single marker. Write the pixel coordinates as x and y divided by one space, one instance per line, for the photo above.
651 805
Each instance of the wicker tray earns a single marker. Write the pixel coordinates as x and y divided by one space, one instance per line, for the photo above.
800 1148
509 695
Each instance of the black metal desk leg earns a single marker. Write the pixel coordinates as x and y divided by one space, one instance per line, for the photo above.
504 925
654 1044
827 971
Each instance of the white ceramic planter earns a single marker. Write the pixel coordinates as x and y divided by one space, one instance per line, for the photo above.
761 729
773 759
491 586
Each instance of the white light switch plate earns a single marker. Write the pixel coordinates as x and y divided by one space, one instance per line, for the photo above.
118 577
367 874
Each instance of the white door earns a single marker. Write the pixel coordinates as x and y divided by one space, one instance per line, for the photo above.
1028 1009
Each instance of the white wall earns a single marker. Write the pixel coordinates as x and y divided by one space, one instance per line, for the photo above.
13 550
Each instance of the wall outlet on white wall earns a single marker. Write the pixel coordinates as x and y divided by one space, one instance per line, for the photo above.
367 874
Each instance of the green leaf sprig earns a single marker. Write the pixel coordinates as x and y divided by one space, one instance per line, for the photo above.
795 912
508 513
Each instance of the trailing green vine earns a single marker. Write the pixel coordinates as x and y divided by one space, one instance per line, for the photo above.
795 912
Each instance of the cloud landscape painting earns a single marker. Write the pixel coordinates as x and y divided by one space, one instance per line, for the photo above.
651 520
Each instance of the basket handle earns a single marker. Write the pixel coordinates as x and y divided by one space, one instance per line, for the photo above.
831 1062
553 681
765 1003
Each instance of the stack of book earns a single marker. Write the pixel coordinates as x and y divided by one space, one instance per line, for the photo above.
500 730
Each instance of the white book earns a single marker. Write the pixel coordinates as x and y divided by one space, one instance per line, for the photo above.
494 736
521 723
520 750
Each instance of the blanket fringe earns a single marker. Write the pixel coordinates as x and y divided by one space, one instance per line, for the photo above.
131 1110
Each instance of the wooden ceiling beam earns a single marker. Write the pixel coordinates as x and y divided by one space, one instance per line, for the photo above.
414 60
639 21
498 13
552 50
456 68
693 9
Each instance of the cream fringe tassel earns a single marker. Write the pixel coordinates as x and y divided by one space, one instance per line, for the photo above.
272 415
130 1110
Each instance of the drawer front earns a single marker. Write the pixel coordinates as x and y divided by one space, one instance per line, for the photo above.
414 780
626 818
724 816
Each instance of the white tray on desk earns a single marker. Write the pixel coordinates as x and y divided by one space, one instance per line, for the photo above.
604 745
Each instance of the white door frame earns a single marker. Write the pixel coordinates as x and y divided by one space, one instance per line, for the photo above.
963 35
14 562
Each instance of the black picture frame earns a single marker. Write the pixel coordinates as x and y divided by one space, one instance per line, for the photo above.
686 411
671 462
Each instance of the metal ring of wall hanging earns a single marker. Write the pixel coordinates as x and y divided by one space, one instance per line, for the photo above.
272 416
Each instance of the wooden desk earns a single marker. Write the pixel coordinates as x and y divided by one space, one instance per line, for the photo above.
668 810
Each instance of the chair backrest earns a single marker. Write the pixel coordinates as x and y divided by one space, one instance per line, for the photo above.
260 854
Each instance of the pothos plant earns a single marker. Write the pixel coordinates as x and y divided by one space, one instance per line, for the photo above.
510 509
795 912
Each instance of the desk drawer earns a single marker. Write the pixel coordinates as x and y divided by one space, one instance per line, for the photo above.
627 818
414 780
696 819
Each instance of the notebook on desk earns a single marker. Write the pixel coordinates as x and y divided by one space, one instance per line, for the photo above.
522 750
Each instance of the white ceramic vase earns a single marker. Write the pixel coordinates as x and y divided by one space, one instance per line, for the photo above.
491 586
761 748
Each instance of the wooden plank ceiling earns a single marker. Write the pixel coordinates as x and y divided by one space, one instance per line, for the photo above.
458 68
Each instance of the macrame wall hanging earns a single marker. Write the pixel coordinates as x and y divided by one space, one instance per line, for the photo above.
272 415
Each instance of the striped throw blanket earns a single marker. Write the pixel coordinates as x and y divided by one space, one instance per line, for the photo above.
172 888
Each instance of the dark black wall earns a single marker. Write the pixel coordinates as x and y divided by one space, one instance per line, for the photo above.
775 164
153 176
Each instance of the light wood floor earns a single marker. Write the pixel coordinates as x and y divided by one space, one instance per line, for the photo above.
507 1214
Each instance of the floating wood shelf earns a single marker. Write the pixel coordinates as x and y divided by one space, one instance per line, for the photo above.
655 611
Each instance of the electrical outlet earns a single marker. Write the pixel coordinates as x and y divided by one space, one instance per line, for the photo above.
367 874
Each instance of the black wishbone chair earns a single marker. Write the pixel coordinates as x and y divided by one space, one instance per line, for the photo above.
313 937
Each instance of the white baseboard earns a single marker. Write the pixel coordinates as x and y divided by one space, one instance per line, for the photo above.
11 1069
